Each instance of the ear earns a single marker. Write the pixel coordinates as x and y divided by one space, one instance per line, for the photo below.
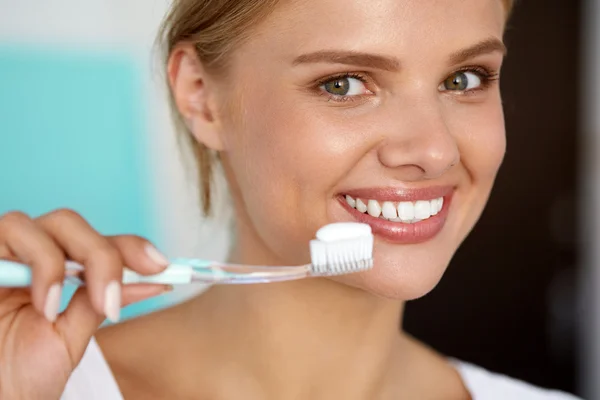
194 100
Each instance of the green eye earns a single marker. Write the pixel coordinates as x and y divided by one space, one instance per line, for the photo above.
338 86
458 81
461 81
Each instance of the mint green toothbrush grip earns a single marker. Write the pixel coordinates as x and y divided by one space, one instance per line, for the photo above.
13 274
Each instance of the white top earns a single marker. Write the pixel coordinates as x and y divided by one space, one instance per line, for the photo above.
93 380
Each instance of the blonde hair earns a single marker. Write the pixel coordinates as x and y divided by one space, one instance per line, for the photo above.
215 27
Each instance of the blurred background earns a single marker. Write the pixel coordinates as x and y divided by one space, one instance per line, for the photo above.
510 299
84 125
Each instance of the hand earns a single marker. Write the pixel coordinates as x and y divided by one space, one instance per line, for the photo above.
39 348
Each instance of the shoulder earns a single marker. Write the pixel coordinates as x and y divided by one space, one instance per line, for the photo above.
485 385
92 379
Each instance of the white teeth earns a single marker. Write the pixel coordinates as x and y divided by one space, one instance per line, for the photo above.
412 221
389 210
351 202
373 208
434 207
422 209
360 206
406 211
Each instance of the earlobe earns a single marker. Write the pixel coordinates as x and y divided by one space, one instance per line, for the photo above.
189 85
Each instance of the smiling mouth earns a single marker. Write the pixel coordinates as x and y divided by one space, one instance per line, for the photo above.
401 216
407 212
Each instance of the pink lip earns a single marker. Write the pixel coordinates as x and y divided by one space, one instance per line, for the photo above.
396 232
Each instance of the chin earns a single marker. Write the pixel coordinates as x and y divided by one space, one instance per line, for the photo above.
409 258
401 274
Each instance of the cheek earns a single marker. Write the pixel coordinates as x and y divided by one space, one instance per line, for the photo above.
286 159
481 140
408 272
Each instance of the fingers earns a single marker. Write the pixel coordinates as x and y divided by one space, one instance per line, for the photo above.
21 237
45 243
138 254
103 257
102 261
78 323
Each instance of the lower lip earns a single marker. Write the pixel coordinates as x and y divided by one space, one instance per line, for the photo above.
399 233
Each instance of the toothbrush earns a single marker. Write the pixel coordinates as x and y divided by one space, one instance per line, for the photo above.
339 248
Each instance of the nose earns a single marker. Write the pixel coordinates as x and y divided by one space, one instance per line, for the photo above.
419 146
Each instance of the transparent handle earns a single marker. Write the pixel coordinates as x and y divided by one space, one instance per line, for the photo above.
233 274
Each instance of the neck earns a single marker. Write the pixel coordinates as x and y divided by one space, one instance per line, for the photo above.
309 339
313 338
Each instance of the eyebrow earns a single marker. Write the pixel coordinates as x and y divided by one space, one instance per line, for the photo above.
390 63
350 58
484 47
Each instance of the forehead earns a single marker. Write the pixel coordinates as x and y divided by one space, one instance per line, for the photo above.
396 27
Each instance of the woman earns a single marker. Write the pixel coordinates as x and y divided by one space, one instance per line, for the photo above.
318 111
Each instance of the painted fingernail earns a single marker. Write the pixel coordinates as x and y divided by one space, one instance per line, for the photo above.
156 256
52 302
112 301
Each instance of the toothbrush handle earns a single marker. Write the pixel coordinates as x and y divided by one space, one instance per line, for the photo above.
179 272
14 274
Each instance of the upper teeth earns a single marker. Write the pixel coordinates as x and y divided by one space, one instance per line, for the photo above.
404 211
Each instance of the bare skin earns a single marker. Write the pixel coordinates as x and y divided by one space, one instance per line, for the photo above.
232 342
38 348
422 109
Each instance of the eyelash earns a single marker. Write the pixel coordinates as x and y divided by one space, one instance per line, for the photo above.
341 99
486 76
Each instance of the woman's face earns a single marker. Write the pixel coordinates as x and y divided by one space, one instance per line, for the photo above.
335 106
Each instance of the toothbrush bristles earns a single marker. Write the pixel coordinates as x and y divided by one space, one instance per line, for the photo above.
342 256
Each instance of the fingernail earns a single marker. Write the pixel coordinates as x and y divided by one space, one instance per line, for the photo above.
112 301
156 256
52 302
168 288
